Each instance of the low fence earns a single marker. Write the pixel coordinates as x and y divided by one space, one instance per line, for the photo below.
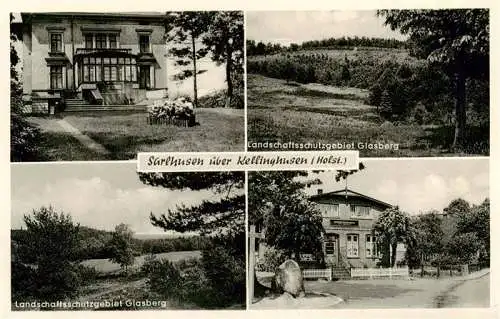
379 272
317 273
170 121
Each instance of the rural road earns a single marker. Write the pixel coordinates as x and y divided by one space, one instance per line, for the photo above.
471 293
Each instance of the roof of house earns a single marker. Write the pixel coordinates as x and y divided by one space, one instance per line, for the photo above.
349 193
97 15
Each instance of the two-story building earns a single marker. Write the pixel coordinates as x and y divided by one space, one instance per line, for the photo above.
92 58
348 219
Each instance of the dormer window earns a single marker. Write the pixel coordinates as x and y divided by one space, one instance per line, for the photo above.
56 42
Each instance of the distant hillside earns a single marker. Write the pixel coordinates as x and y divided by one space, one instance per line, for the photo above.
143 236
94 243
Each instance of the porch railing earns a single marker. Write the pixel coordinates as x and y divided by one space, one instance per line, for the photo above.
96 50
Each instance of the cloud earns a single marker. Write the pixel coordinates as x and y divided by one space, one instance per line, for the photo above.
298 26
97 203
432 191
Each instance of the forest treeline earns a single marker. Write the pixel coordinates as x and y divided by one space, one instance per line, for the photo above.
262 48
95 244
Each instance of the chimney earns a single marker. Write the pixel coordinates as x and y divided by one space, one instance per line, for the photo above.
320 191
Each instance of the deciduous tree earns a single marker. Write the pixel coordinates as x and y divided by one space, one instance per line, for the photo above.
51 242
121 245
390 228
455 39
224 39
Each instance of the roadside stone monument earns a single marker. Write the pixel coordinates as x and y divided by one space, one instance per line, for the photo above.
288 279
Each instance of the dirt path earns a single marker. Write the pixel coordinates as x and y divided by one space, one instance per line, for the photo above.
468 293
82 138
119 286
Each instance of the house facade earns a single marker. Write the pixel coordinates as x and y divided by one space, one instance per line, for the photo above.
348 219
92 58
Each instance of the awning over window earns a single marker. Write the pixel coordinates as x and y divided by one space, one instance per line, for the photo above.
58 59
146 59
124 53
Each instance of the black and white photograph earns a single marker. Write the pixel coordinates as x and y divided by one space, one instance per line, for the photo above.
105 85
393 234
389 83
100 236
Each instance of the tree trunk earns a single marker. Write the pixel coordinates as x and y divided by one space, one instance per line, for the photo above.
195 84
393 254
229 60
460 112
422 265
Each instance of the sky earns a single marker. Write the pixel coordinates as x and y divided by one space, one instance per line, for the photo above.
103 195
417 186
287 27
99 195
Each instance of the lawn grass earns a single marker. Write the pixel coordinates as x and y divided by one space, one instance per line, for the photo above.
57 145
126 134
278 112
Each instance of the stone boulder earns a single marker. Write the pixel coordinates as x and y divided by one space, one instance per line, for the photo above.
288 278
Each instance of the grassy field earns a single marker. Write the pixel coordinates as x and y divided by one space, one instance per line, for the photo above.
106 266
324 115
125 134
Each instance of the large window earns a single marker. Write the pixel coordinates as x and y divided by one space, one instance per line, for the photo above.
56 77
56 42
329 210
144 43
371 246
360 211
100 41
352 246
108 69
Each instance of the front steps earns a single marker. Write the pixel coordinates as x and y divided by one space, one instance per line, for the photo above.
340 273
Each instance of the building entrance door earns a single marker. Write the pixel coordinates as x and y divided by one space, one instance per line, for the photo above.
144 77
332 249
